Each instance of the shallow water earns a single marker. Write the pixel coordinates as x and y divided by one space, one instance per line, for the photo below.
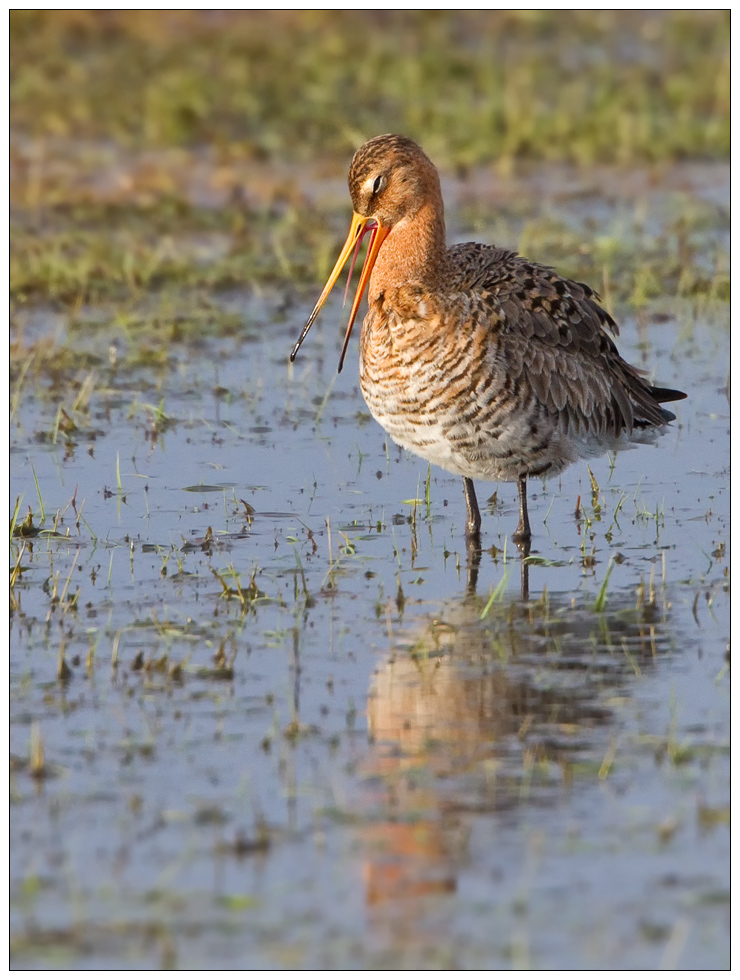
289 734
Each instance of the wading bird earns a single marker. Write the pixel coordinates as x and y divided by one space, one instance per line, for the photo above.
472 357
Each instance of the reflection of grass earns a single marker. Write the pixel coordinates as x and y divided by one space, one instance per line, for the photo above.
477 85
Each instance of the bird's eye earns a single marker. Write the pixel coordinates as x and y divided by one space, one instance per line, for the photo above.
379 183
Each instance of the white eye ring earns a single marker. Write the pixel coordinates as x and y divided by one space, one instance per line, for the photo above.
374 185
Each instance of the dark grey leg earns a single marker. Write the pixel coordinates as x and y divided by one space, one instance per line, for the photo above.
472 528
523 533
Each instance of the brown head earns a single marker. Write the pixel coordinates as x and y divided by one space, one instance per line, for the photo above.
392 182
390 178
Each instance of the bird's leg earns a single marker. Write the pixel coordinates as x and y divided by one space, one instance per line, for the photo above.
523 533
523 536
472 535
472 528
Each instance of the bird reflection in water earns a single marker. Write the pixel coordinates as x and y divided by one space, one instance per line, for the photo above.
472 717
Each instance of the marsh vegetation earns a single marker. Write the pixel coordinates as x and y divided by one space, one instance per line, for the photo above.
258 717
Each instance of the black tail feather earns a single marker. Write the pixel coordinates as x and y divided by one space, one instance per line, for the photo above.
667 395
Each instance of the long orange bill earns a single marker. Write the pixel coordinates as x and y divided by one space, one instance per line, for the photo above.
379 234
368 229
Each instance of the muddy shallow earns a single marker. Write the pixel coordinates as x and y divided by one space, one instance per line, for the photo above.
278 727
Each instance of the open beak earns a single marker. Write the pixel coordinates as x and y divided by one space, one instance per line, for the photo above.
378 235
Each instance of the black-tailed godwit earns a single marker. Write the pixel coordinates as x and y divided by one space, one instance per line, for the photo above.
472 357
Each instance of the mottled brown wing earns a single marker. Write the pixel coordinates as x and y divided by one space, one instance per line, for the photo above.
552 336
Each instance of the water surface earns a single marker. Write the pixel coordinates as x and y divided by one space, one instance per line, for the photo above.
279 727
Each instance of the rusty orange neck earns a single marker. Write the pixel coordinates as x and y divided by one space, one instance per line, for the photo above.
413 252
